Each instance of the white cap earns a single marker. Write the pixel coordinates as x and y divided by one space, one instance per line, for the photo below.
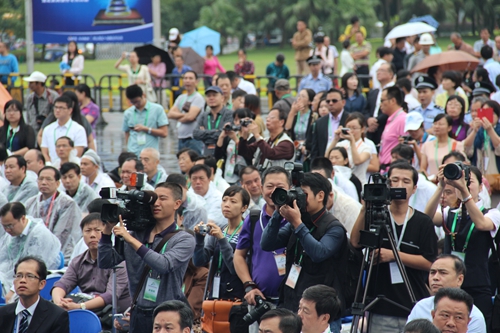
36 76
426 39
413 121
92 156
173 34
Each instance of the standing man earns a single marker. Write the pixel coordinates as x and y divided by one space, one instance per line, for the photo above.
278 70
21 187
210 123
179 69
417 247
324 128
385 56
315 80
251 181
284 95
400 53
492 66
8 64
224 83
187 111
485 40
360 52
32 313
460 45
144 122
150 159
300 42
40 102
426 86
80 192
425 42
238 82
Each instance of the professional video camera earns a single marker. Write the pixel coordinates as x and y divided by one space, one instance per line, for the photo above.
453 171
282 197
261 307
137 213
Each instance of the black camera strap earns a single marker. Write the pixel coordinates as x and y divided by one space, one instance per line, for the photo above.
146 269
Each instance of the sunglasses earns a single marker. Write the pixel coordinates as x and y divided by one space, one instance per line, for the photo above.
328 101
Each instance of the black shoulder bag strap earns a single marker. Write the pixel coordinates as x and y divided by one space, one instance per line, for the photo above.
254 217
146 269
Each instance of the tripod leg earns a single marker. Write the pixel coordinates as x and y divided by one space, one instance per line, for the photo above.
360 314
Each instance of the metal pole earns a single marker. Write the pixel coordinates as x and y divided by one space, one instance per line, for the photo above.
30 46
156 23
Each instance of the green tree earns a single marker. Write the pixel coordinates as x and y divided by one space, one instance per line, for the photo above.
181 14
12 18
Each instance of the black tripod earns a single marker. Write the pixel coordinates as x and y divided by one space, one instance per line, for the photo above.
377 219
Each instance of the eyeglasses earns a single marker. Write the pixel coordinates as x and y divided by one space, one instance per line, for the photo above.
28 276
328 101
354 128
382 100
60 108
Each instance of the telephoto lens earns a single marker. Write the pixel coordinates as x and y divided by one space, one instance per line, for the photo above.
453 171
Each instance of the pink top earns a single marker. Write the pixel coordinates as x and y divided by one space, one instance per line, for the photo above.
160 70
211 65
394 128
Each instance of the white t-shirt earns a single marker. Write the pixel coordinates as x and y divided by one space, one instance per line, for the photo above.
373 150
247 86
54 131
358 170
492 214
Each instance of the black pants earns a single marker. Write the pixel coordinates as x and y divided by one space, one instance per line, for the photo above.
364 70
482 300
141 320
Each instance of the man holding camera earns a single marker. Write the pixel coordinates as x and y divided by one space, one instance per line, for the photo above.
313 238
416 245
161 253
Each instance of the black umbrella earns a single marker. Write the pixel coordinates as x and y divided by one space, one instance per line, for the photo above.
146 52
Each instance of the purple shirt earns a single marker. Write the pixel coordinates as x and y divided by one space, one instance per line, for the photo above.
84 273
459 130
91 110
264 271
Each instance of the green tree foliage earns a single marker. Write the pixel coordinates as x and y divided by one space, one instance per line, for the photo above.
12 17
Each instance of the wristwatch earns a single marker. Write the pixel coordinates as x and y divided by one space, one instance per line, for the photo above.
149 131
83 306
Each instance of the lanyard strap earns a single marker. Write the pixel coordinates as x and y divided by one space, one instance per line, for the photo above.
229 240
436 151
67 130
458 131
47 219
11 138
301 125
453 234
486 141
299 262
147 116
399 239
217 121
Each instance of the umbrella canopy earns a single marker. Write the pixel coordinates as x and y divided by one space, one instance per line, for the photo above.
426 19
146 52
199 38
193 59
448 61
409 29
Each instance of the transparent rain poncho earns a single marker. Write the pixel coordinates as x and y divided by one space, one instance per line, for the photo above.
194 210
84 195
23 192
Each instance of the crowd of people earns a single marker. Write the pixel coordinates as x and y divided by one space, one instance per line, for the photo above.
230 223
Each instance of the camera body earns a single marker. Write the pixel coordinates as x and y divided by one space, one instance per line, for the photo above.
261 307
282 197
204 229
453 171
345 131
407 139
134 206
232 127
245 122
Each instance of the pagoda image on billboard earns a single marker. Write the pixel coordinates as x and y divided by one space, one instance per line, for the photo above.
118 12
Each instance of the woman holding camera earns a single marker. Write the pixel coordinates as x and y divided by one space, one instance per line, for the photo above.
223 283
470 237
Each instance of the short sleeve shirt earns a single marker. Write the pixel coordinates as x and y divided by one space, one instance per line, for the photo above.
71 129
365 46
185 130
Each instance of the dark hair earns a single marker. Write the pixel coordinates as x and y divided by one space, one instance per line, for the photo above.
17 210
177 178
19 108
402 73
453 76
242 50
383 51
455 294
396 93
68 166
276 170
193 155
326 299
139 167
76 115
221 76
403 165
175 188
83 88
405 151
459 263
310 94
404 83
3 153
248 170
133 91
400 39
483 74
494 105
356 116
198 167
57 174
209 160
75 53
459 156
41 270
289 321
64 99
193 72
281 114
440 116
346 77
238 93
124 155
322 163
95 206
280 58
243 113
335 90
486 52
184 311
71 143
420 326
462 103
343 151
209 47
89 219
231 191
253 103
497 80
346 44
317 183
232 75
21 162
475 170
354 19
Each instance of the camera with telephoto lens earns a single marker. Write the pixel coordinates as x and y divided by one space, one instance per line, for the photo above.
453 171
232 127
282 197
406 139
261 307
245 122
134 206
378 195
204 229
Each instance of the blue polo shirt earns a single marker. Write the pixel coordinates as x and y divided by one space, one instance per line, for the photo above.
321 83
152 116
8 64
429 113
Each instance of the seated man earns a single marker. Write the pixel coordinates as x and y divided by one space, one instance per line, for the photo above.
452 310
275 150
199 175
65 152
81 193
150 159
186 158
24 236
91 170
21 188
280 321
217 182
193 205
59 212
92 280
420 326
174 316
319 306
34 162
129 167
447 271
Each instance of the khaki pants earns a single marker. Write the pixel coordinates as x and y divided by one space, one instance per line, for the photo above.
302 68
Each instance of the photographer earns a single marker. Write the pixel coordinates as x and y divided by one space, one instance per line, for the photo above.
227 145
416 245
469 239
166 265
313 239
